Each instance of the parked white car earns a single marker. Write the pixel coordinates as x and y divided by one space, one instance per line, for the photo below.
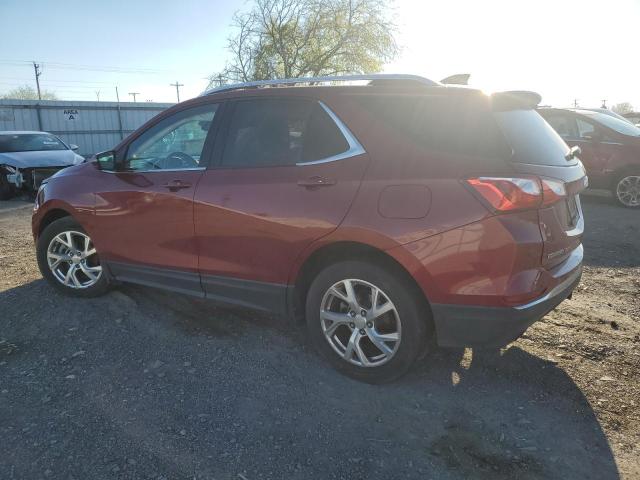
27 158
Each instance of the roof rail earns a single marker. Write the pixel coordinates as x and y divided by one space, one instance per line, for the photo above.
339 78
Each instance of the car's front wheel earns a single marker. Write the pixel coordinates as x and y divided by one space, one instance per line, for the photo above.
627 189
69 261
366 320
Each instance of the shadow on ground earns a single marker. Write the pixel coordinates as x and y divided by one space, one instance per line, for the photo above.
139 384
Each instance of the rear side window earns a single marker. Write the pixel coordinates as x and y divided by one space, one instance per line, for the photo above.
533 140
460 125
272 132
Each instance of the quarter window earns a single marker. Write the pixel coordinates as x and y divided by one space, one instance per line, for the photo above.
271 132
441 124
175 143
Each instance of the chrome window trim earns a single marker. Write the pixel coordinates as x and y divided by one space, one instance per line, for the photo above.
355 148
157 170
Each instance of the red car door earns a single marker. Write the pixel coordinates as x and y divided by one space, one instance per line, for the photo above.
144 210
288 174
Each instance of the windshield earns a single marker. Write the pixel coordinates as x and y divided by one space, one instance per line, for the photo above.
29 142
620 126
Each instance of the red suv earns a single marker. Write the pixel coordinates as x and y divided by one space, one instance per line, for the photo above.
610 149
392 215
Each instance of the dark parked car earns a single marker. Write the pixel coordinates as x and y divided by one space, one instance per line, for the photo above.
27 158
610 149
393 216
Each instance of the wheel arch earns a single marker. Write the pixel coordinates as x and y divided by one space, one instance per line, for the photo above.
629 168
51 216
340 251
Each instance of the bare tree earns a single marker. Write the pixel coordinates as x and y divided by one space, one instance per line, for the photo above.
27 92
298 38
622 108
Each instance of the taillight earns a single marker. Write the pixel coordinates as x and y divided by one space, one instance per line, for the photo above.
507 194
552 191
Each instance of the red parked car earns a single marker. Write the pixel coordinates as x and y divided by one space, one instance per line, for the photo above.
610 149
392 216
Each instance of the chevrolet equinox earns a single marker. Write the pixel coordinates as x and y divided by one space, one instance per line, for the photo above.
390 215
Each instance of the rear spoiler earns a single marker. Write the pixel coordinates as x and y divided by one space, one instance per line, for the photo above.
515 100
457 79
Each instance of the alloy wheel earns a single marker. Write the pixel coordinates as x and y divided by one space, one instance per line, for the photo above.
73 260
360 322
628 191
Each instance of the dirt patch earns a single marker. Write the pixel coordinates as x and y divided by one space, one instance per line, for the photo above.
138 384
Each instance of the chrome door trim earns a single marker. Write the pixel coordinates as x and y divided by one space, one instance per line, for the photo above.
158 170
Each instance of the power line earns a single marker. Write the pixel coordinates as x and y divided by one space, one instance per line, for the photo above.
21 79
98 68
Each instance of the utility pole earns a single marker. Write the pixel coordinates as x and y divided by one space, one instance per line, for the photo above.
117 95
575 103
38 71
177 85
98 94
604 104
133 94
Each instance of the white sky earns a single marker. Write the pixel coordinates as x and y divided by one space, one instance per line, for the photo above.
563 49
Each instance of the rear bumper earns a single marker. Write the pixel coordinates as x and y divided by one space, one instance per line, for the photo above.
479 326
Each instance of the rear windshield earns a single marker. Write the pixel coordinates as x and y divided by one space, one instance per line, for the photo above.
29 142
532 139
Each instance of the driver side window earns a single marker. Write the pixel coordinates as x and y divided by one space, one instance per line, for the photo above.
175 143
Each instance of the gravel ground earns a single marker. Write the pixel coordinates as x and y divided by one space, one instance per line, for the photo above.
137 384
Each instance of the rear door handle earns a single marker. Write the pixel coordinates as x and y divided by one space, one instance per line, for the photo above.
176 185
316 181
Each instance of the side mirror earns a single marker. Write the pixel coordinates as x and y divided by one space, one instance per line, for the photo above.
74 147
106 160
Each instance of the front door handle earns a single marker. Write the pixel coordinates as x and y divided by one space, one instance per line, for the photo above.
176 185
316 181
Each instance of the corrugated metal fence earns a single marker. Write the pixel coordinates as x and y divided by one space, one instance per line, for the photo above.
93 126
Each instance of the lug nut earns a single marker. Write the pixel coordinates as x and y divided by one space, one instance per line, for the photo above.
352 313
369 324
352 325
362 332
363 313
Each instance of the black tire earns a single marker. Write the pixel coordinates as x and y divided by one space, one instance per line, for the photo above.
7 190
615 191
412 310
50 232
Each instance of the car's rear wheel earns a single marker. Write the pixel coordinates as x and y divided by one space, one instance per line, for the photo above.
69 261
366 320
627 189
